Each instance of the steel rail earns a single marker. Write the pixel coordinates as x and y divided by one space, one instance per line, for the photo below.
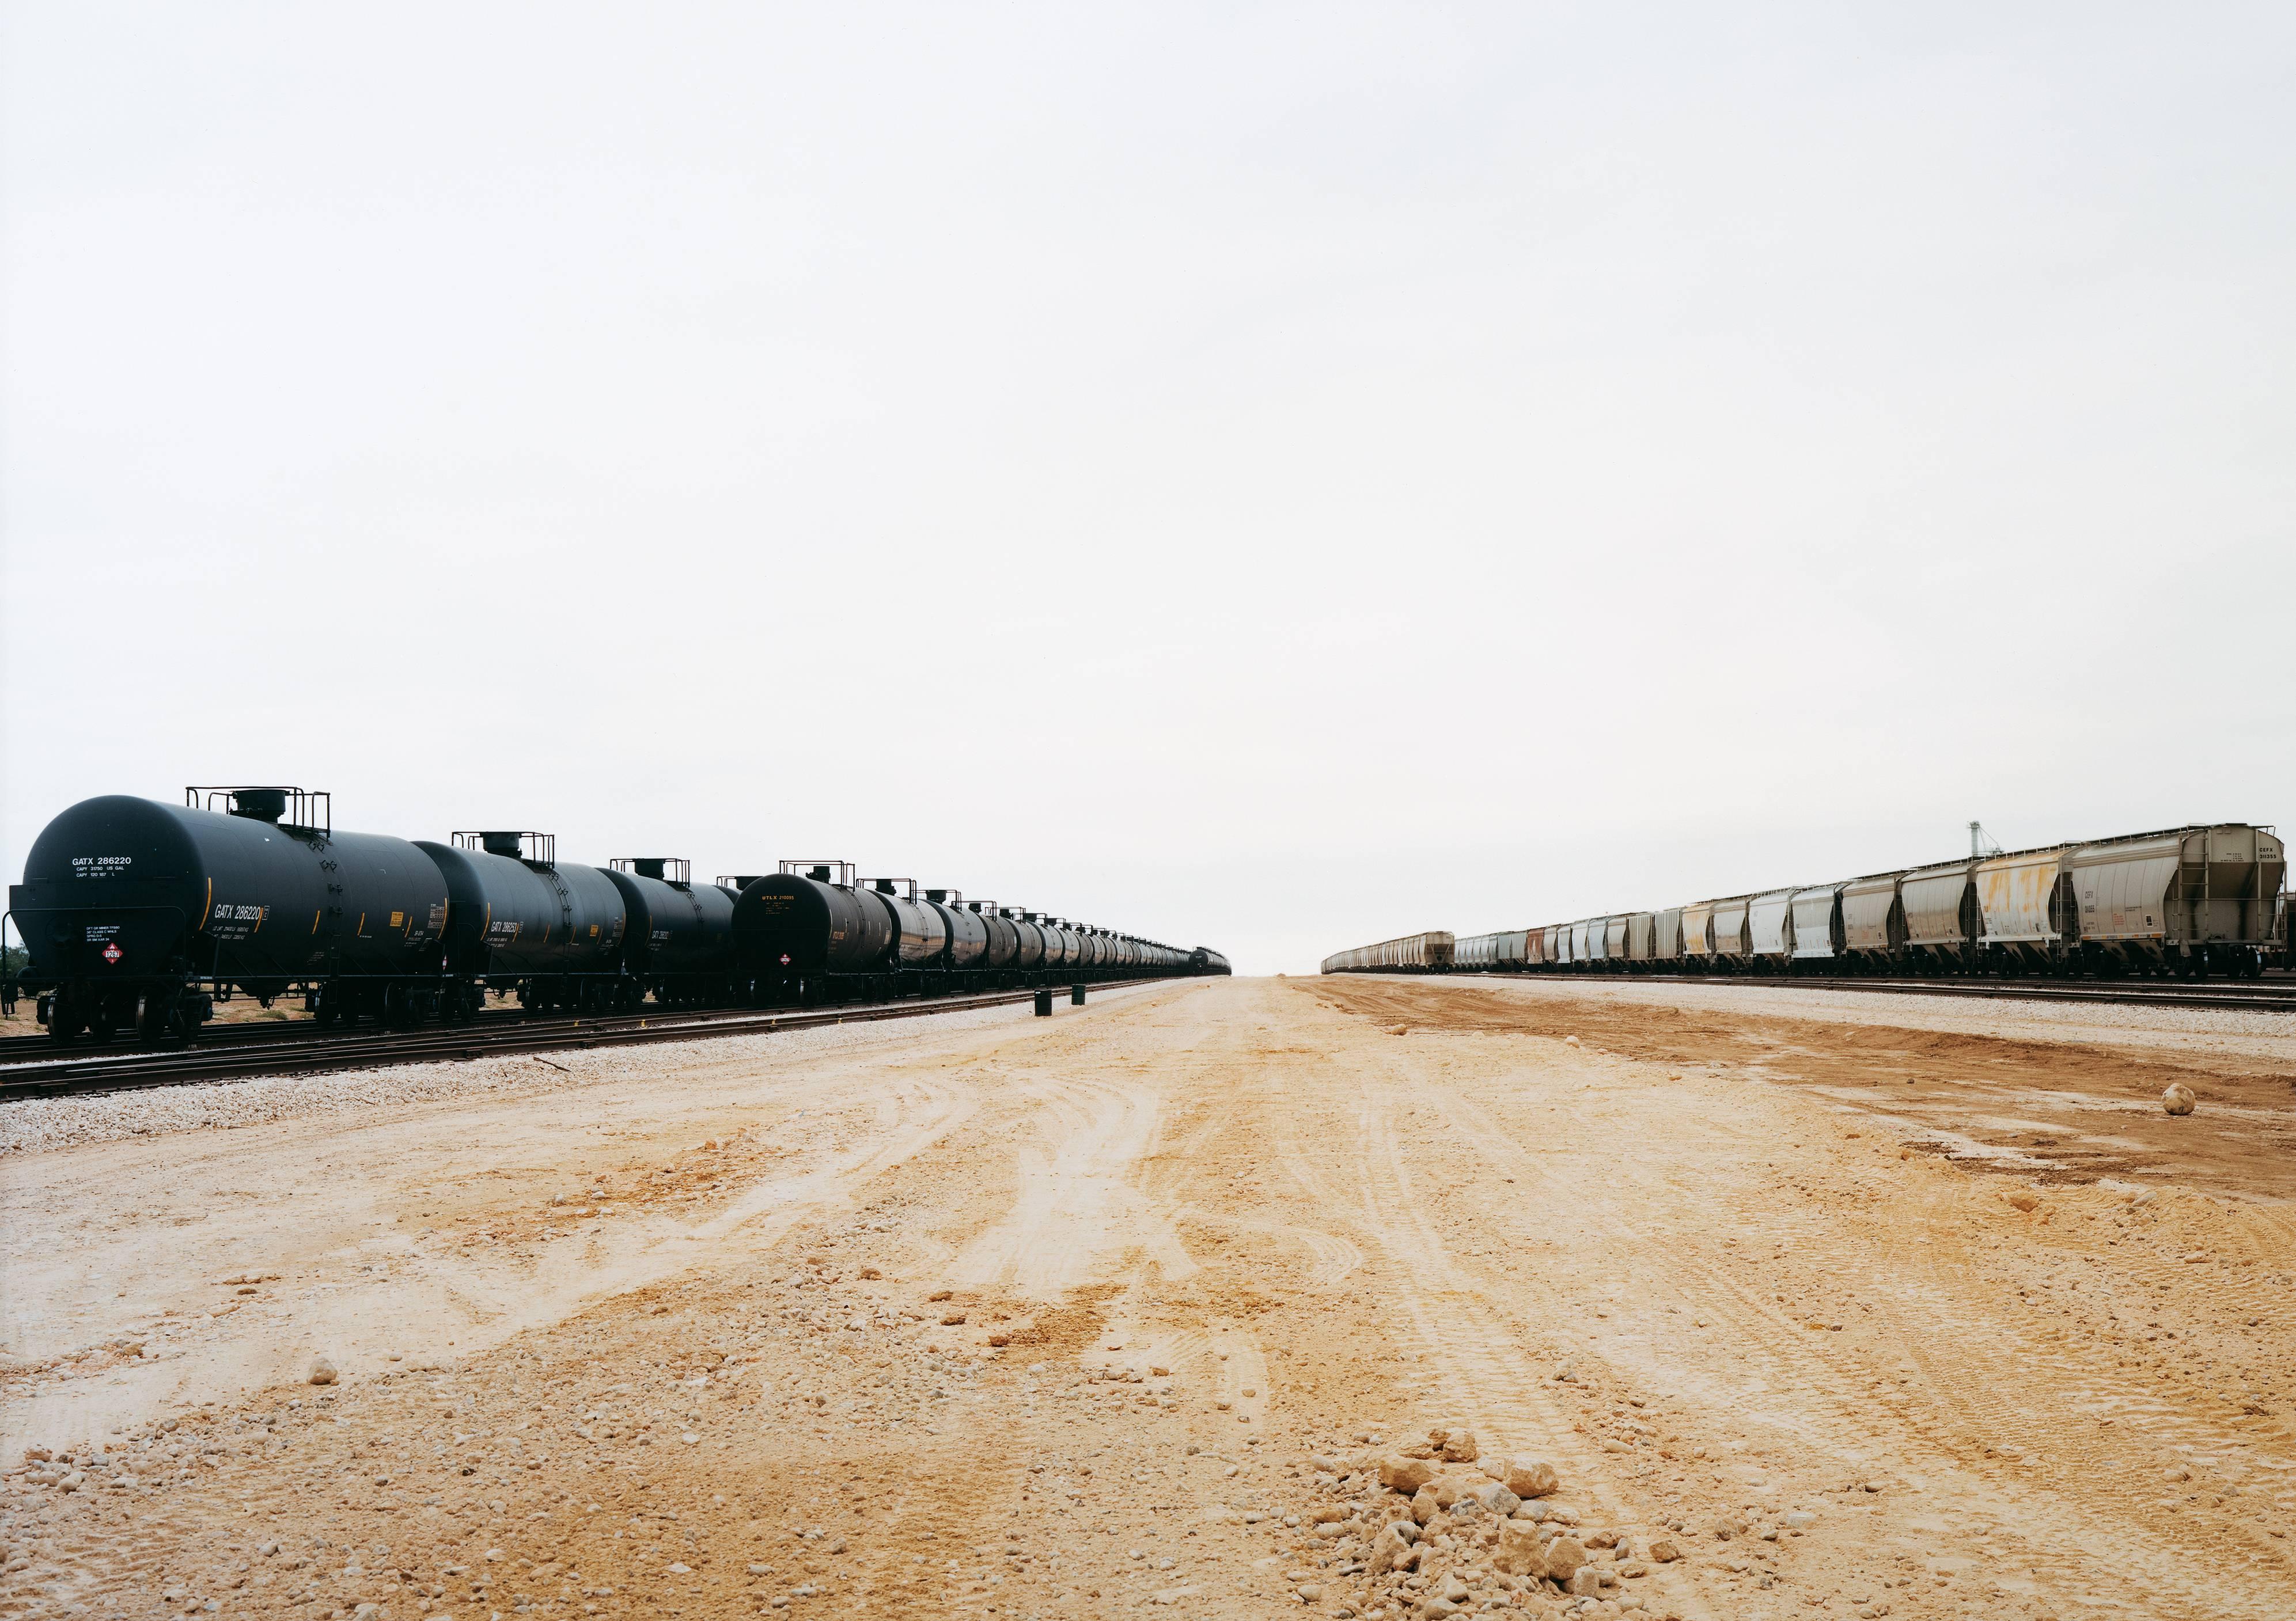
28 1047
373 1049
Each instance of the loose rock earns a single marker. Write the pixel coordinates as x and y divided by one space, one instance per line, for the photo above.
322 1372
2178 1099
1565 1556
1521 1549
1405 1475
1530 1478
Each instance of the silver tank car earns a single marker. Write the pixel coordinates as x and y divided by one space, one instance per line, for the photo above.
1002 950
920 930
1029 935
968 936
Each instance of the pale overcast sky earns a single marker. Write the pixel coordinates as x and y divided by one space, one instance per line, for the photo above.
1276 477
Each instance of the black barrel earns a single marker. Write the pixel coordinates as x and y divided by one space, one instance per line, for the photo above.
123 896
1028 942
793 924
920 936
968 936
676 929
1003 949
517 919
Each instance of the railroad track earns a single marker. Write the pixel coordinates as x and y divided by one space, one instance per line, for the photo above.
2255 996
298 1054
254 1031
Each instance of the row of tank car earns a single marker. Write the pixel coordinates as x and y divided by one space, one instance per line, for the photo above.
138 916
2189 902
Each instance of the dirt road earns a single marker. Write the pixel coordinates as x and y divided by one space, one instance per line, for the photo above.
988 1315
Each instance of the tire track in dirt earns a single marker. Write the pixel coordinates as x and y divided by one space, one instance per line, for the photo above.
1077 1199
1966 1394
449 1303
1981 1402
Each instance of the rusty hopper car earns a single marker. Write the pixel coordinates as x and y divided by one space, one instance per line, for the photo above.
1732 938
2209 898
1411 953
1698 937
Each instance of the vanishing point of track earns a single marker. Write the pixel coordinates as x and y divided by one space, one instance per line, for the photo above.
293 1050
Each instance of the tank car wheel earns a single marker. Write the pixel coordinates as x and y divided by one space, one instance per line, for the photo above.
156 1017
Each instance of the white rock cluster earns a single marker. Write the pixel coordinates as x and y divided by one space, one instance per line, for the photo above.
1436 1528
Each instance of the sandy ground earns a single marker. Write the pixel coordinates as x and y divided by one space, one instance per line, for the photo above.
1871 1305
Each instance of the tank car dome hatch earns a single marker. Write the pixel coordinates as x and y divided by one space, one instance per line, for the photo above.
260 804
